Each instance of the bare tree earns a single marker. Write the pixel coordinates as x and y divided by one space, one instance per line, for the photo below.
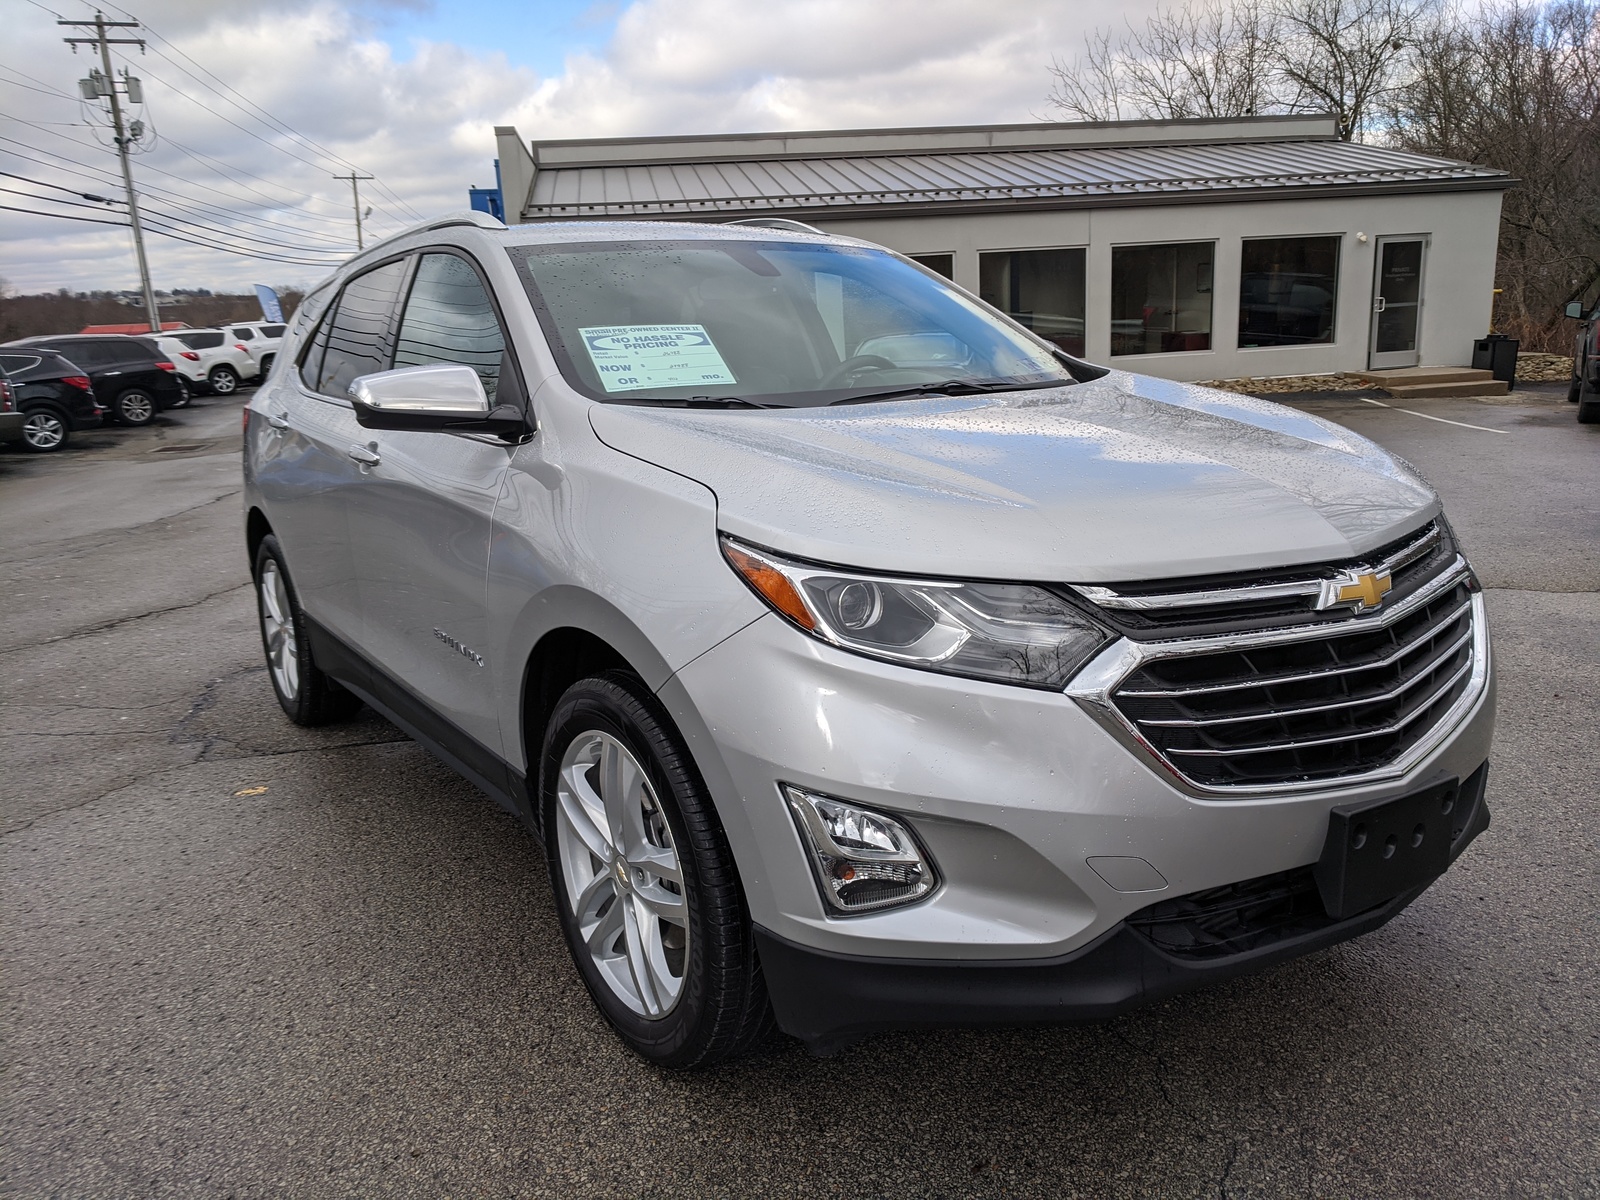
1208 59
1344 56
1517 86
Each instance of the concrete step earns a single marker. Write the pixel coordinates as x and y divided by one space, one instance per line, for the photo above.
1418 376
1478 387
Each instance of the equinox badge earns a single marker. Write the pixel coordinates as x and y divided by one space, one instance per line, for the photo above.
444 637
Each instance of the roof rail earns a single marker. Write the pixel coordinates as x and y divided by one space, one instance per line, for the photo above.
472 217
777 223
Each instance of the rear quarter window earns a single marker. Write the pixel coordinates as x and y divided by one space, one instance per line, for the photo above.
201 341
272 331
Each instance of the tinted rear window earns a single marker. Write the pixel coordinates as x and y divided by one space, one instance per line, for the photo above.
200 341
272 331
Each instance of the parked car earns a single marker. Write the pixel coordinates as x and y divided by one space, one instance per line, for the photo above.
53 394
260 339
131 378
849 692
1585 388
10 416
209 359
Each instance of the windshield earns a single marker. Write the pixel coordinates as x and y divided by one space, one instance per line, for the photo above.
788 324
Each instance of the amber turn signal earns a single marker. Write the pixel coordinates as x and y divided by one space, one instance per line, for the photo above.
771 585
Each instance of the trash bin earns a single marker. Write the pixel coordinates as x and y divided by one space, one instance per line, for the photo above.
1497 353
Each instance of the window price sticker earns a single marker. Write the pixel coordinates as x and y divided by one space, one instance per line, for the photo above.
630 357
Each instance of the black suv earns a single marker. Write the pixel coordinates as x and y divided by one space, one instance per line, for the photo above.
131 378
1585 389
53 394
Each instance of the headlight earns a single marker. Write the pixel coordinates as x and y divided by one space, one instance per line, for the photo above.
1005 632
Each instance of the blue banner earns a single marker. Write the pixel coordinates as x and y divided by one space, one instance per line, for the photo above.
271 310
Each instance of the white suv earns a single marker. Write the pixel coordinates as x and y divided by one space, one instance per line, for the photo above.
861 659
209 360
260 340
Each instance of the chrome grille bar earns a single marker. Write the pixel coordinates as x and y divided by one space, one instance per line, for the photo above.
1381 731
1301 677
1377 698
1208 597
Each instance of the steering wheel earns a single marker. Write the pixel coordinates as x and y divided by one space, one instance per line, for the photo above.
859 362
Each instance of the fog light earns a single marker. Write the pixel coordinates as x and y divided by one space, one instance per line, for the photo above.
863 860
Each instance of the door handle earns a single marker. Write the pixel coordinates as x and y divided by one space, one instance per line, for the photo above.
1380 304
278 422
365 455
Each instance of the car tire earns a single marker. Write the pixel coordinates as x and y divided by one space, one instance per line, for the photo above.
657 927
45 430
185 394
134 407
305 692
224 380
1588 406
1574 390
266 367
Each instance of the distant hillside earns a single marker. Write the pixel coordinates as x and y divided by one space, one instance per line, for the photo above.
68 312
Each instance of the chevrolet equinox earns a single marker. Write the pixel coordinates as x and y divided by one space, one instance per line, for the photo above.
861 660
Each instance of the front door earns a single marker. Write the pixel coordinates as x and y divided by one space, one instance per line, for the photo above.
1397 303
421 521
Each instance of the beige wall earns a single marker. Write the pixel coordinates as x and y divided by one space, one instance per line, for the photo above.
1458 280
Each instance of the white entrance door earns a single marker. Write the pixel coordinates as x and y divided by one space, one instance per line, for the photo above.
1397 303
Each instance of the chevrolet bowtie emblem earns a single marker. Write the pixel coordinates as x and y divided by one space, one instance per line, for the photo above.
1361 589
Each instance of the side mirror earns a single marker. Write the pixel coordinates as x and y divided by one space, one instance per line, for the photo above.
439 396
1575 310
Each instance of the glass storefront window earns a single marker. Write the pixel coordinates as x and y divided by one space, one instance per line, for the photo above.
1286 291
939 264
1161 298
1039 289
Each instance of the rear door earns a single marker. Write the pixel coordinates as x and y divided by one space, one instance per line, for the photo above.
311 451
420 521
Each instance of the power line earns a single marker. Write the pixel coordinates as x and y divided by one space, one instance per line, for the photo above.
183 179
62 216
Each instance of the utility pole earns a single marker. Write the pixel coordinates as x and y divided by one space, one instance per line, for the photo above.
121 135
355 195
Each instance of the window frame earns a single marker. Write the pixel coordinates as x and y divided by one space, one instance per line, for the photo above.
1082 246
1338 279
514 361
328 314
1211 291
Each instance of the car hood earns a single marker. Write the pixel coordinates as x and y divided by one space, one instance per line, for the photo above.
1119 479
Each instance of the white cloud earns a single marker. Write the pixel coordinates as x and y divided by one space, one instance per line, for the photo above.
424 125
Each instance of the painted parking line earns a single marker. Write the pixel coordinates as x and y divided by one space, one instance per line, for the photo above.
1426 417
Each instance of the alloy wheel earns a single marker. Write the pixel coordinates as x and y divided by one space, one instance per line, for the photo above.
136 408
277 624
224 382
623 877
44 431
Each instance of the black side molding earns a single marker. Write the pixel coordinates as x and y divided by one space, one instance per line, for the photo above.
444 739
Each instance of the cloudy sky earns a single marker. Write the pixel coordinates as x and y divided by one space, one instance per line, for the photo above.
250 107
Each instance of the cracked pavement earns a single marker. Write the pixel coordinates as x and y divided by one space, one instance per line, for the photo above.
244 959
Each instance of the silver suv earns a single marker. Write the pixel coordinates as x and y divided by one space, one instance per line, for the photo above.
860 660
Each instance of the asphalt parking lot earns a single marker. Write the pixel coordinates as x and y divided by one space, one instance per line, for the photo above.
244 959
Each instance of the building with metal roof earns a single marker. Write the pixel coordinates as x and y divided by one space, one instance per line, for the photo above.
1193 249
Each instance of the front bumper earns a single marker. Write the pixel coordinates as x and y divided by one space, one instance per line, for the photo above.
830 1000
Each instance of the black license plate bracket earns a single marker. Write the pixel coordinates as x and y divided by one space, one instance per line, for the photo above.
1377 849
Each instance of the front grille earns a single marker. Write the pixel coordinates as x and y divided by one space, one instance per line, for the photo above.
1309 709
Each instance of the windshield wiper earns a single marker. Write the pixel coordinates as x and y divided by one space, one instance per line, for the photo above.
694 401
952 387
